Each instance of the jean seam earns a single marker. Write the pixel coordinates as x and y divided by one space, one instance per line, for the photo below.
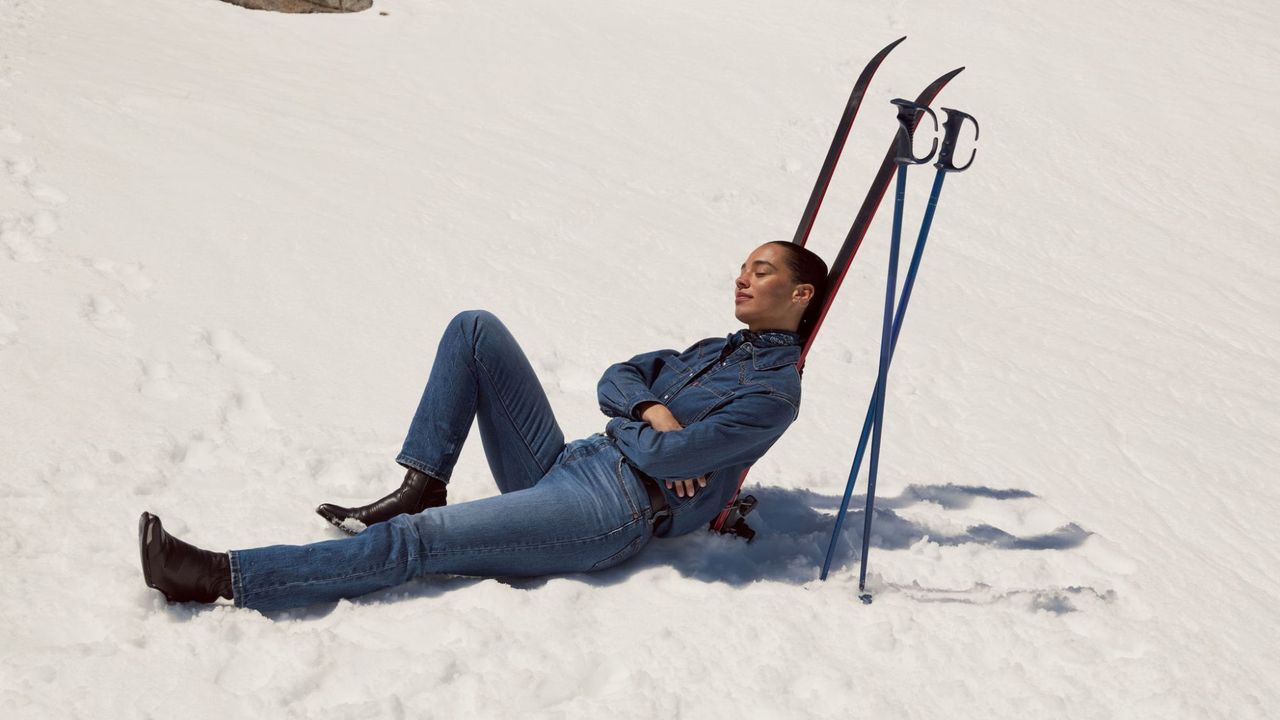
502 402
632 502
471 550
339 578
637 540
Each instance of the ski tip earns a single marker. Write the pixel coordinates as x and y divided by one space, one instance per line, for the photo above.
938 84
879 58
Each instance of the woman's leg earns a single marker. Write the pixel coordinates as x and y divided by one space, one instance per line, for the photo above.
481 373
587 514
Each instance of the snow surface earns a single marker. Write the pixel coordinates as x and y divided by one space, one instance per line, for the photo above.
229 240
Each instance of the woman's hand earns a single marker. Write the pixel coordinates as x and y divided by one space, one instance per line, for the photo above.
659 417
684 488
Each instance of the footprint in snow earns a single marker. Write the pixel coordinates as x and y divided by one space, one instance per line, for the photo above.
129 275
19 168
107 317
8 330
156 380
247 409
196 453
46 194
228 349
15 236
43 223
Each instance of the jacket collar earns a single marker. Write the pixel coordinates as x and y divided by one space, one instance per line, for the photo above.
770 348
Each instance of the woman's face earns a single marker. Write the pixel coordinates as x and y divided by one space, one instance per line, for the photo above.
766 297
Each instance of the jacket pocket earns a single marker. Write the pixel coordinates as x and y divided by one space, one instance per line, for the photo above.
696 401
673 374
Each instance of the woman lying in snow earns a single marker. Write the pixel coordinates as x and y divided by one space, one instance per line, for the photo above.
680 422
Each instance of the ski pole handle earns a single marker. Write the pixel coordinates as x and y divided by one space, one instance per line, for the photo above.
909 114
951 132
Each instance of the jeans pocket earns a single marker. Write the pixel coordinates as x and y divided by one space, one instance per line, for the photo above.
627 485
626 552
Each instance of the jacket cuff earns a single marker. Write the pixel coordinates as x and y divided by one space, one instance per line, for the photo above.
611 428
637 400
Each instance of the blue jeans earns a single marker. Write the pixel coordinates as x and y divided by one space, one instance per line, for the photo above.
563 508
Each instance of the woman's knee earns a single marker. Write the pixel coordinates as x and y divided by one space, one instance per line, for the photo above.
471 323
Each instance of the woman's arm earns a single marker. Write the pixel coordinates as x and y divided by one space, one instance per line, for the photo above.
737 434
625 385
660 418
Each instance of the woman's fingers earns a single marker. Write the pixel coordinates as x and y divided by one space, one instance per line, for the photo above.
676 486
685 488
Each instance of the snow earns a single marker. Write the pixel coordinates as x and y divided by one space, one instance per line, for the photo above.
229 240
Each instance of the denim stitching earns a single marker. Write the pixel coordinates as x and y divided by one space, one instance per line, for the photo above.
490 550
414 464
237 582
637 541
339 578
622 483
502 402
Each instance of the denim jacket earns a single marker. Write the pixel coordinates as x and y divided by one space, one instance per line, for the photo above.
734 396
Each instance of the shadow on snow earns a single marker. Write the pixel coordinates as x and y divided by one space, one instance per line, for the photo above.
794 528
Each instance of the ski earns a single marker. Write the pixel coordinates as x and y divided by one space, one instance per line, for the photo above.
731 518
837 143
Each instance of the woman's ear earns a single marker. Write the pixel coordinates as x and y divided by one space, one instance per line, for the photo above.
802 294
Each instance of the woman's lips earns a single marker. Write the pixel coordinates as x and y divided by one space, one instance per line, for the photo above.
741 298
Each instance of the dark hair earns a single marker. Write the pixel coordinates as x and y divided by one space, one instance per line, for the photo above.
806 267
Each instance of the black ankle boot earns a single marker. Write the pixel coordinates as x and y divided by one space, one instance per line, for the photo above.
418 492
181 571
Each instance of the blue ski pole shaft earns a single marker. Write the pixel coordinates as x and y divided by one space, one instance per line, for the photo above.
900 313
886 357
886 338
946 163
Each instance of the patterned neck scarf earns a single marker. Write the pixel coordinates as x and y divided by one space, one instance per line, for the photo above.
762 339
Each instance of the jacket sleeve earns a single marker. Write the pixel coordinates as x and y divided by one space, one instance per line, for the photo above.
628 384
737 434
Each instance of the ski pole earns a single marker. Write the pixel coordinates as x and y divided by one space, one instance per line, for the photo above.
955 119
907 112
908 115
